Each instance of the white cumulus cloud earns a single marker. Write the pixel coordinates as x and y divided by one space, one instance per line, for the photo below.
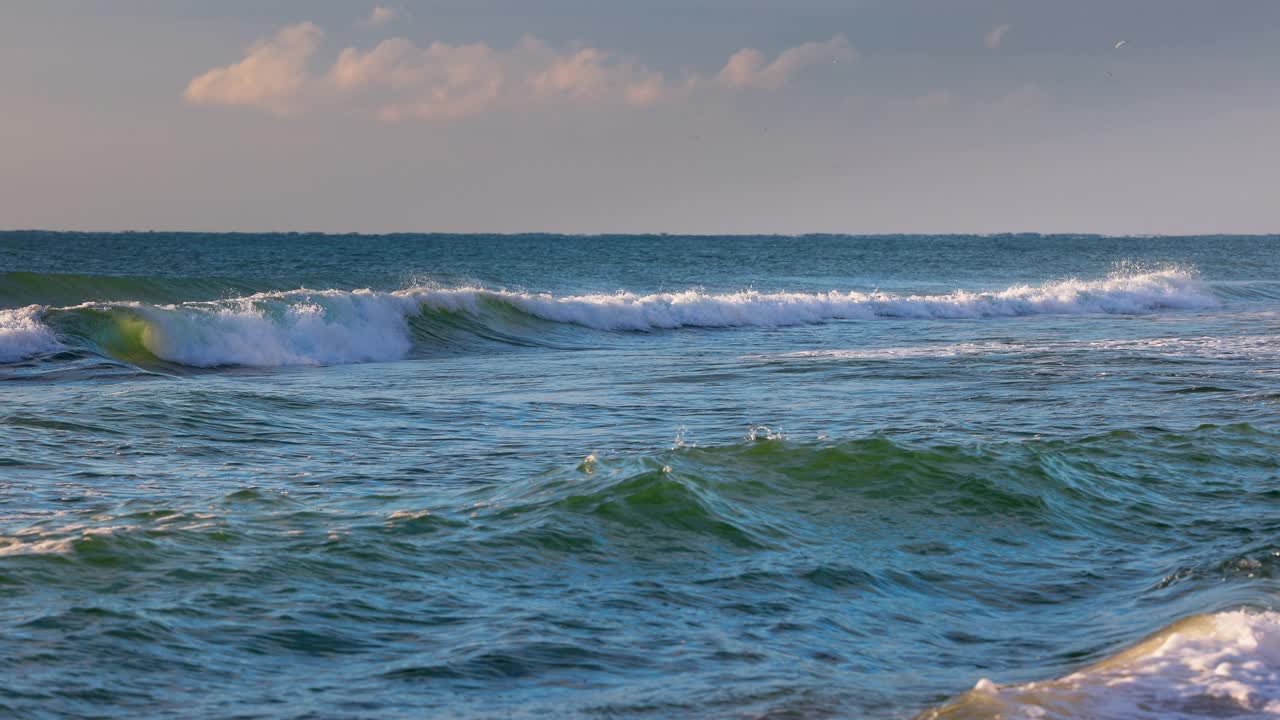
397 79
272 75
747 68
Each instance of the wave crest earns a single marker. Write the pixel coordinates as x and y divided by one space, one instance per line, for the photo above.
1118 294
23 335
306 327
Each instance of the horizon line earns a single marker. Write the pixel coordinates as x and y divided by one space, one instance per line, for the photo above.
647 234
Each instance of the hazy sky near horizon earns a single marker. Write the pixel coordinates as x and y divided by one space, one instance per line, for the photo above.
584 116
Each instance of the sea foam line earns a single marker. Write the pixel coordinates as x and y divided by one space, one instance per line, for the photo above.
1125 294
1208 347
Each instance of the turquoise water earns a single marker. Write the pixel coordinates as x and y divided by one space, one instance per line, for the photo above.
649 477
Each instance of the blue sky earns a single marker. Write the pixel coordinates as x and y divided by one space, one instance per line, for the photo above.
701 116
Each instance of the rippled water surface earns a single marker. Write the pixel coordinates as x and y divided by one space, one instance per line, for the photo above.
649 477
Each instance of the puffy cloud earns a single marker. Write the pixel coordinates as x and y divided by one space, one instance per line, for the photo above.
438 81
449 81
398 80
646 91
996 36
590 74
747 67
273 74
380 16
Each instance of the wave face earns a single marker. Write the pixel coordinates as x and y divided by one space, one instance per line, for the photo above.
306 327
271 330
1220 665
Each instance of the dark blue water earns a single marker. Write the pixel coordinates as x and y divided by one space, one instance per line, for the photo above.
542 476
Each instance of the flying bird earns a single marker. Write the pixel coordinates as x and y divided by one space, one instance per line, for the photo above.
1119 44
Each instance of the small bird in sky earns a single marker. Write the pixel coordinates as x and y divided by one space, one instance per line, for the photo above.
1119 44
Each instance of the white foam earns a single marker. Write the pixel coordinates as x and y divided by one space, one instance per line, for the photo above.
1221 665
947 350
1208 347
57 541
1120 294
23 335
1203 347
302 328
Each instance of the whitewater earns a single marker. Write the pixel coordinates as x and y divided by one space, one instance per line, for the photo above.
1222 665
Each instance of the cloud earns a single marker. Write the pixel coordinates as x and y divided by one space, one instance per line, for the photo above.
380 16
272 75
398 80
747 69
438 81
591 74
996 36
444 81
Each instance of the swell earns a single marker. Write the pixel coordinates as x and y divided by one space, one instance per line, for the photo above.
18 289
798 532
309 327
768 491
920 525
1096 481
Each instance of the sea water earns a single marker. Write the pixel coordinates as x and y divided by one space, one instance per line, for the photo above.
639 476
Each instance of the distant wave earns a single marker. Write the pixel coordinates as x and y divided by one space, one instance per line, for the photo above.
61 289
1121 294
310 327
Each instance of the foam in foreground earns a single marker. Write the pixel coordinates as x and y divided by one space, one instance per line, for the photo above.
1220 665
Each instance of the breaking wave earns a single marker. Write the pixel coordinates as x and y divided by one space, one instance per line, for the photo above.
306 327
23 335
1224 664
1122 294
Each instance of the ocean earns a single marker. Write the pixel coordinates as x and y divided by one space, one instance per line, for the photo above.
536 476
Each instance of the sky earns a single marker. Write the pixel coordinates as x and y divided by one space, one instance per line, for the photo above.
606 116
